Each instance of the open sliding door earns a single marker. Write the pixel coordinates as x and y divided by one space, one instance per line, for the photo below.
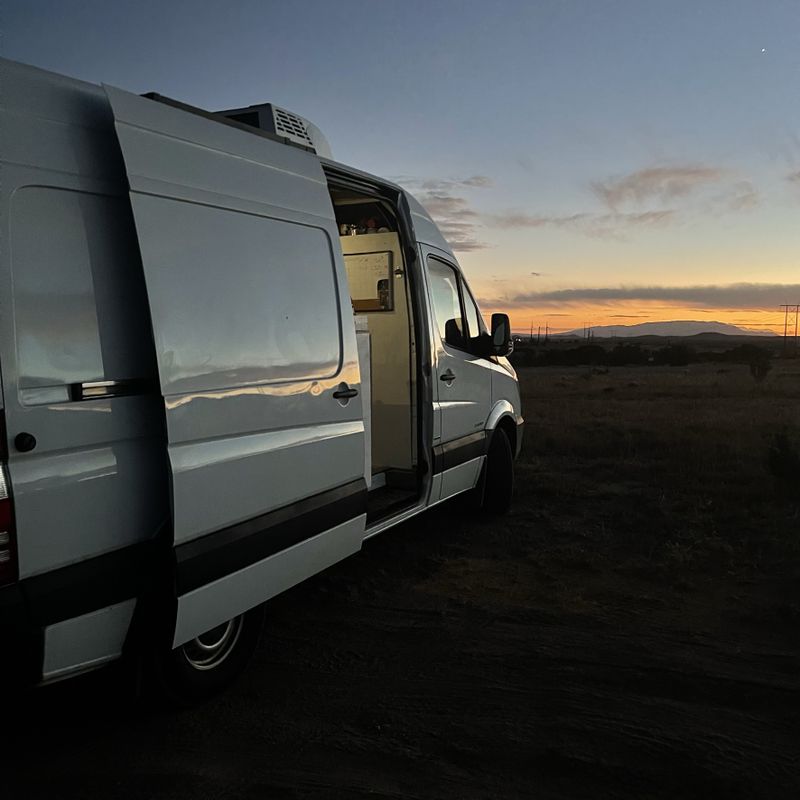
254 340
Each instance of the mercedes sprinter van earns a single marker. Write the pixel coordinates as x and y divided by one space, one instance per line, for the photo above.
226 360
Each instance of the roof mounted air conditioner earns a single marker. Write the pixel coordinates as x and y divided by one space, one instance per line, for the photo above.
280 122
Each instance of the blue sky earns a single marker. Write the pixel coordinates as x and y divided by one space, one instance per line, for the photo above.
600 145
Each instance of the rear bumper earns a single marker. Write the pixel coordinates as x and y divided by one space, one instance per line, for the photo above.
23 642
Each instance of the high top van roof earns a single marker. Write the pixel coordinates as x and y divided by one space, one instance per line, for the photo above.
15 72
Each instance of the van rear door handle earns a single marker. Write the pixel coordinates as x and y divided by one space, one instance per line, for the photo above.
448 377
344 392
91 390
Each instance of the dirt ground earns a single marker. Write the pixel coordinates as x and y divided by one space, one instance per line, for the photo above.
629 630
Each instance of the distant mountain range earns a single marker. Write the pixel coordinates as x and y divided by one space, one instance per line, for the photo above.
678 327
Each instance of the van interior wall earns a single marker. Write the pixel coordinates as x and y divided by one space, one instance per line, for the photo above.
377 279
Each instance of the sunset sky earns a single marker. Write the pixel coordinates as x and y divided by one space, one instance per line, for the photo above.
592 162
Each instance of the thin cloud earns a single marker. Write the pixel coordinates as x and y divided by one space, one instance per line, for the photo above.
444 200
794 178
742 197
447 201
444 184
476 181
439 204
626 200
599 226
762 296
663 184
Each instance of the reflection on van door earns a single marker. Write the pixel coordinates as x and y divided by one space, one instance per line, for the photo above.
260 377
463 380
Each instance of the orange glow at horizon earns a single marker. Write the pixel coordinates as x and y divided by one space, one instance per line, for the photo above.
576 317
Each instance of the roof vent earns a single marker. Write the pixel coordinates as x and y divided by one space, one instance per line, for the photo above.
272 119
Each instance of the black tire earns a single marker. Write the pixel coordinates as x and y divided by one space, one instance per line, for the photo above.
208 664
497 481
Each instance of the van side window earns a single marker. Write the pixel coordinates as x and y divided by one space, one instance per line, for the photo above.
447 303
264 309
78 295
475 326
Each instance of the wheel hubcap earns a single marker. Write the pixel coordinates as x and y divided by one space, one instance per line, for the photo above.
211 648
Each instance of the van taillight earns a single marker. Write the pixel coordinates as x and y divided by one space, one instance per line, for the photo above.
8 560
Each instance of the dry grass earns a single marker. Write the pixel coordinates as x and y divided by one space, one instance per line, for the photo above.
654 483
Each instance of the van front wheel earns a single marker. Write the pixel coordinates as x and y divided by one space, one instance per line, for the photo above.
497 479
211 661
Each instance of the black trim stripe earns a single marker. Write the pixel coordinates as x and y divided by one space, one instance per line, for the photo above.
122 574
96 583
223 552
458 451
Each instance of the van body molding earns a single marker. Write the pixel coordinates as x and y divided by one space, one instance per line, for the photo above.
458 451
223 552
88 585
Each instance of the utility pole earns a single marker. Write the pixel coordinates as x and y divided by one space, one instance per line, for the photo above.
530 338
790 307
538 334
785 325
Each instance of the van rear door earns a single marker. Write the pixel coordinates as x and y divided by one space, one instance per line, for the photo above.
84 468
257 357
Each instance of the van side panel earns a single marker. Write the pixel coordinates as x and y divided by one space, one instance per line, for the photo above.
248 331
73 310
254 336
91 495
239 591
79 493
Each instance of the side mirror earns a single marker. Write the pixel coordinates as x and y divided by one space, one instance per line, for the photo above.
452 333
502 343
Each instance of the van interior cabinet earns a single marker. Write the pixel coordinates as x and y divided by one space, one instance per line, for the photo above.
378 292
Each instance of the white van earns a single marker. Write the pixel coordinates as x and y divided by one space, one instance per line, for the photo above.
227 360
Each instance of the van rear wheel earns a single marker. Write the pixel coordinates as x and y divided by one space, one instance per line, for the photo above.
497 479
211 661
